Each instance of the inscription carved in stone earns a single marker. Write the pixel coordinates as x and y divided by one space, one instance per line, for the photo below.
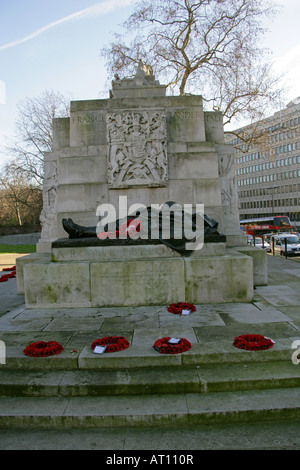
137 148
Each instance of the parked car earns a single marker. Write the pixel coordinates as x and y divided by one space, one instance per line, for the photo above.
297 233
292 244
261 243
249 239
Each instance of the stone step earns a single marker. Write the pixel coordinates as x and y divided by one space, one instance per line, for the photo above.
206 378
235 436
139 356
150 410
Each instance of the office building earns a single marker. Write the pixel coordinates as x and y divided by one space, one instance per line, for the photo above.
268 165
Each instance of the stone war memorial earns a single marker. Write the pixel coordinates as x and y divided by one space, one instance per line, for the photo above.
133 162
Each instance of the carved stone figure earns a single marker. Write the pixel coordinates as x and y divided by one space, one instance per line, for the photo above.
48 214
152 234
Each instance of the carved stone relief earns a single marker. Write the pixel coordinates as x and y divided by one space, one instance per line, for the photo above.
49 212
229 193
137 148
227 175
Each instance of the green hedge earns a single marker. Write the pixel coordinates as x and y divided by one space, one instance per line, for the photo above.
17 249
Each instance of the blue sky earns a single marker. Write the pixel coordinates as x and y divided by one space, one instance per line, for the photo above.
55 44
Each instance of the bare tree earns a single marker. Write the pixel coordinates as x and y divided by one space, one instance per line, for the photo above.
207 46
34 132
20 201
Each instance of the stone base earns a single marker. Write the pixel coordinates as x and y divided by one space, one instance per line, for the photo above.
132 252
133 276
260 264
27 259
43 247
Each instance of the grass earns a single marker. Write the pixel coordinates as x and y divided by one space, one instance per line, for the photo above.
20 249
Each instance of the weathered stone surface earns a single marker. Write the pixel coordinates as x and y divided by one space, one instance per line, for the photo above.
87 128
148 282
137 275
187 123
260 264
214 131
122 253
224 279
21 262
57 284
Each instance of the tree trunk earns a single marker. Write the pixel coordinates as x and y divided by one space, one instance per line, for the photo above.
184 82
19 215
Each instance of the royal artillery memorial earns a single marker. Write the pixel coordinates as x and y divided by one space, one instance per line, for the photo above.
138 149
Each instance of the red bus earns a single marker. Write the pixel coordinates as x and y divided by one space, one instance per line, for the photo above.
277 223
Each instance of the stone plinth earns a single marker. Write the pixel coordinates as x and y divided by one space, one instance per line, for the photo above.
137 275
125 253
260 264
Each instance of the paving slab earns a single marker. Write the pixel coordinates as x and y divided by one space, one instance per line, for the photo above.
78 324
271 330
280 294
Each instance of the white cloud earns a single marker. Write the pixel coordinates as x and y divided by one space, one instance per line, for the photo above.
2 92
289 65
289 60
98 9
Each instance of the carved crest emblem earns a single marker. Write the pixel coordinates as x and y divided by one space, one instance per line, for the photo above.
137 149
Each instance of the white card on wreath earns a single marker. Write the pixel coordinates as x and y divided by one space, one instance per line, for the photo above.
270 339
174 340
99 349
185 312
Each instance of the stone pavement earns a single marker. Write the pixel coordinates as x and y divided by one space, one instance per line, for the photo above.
9 298
275 312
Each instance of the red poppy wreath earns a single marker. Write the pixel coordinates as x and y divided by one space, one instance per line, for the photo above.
163 346
177 308
9 269
253 342
111 343
12 274
43 349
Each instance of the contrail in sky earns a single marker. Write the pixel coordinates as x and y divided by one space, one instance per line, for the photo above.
94 10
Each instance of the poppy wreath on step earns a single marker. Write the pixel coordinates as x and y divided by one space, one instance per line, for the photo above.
253 342
163 346
177 308
12 274
112 343
43 349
